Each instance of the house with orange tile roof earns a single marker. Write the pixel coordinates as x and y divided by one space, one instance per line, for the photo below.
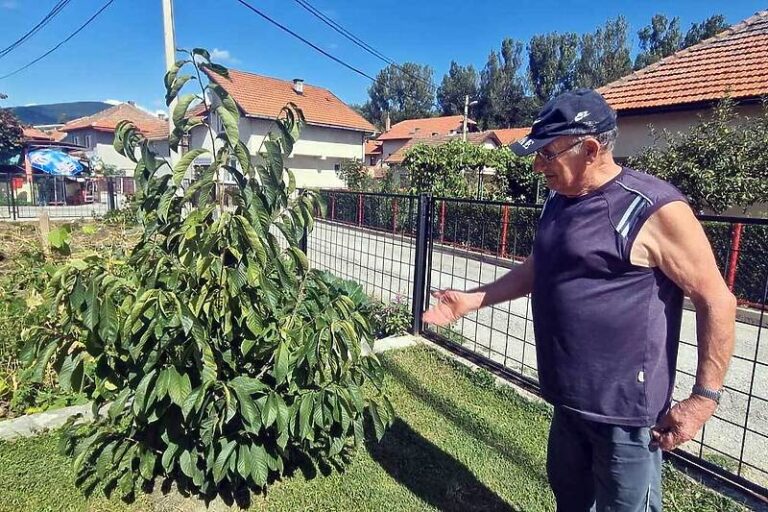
401 133
488 139
333 133
373 153
97 132
672 93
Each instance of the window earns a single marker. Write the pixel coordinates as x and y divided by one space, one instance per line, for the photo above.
88 141
337 167
373 161
76 140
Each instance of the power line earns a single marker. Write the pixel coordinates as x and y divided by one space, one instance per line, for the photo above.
312 45
56 9
73 34
356 40
305 41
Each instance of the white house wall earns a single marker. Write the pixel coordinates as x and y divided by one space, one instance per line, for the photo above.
634 130
101 147
316 155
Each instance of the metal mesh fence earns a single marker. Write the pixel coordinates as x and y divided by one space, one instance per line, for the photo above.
372 239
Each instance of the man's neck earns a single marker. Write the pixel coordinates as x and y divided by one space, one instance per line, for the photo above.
597 177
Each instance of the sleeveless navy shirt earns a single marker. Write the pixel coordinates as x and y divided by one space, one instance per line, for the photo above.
606 330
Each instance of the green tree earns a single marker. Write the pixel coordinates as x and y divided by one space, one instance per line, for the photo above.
459 82
551 62
503 101
660 38
721 163
223 357
11 135
604 55
704 30
355 175
406 91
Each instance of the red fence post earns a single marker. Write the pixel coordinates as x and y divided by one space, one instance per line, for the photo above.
394 215
504 225
360 209
733 258
333 207
442 221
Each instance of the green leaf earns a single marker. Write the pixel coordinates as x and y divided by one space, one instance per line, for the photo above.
176 86
280 369
140 399
187 464
182 166
269 412
147 465
230 123
180 110
179 386
43 358
378 425
169 455
118 405
163 381
259 466
222 460
244 461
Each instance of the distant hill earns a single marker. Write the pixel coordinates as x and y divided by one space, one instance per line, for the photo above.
57 113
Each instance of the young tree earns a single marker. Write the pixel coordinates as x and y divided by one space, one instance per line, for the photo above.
459 82
223 359
405 91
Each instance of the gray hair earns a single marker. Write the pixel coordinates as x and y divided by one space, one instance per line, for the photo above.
607 140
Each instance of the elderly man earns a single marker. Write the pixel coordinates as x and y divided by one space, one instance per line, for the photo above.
616 250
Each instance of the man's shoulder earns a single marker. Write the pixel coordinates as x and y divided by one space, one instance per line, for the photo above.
652 189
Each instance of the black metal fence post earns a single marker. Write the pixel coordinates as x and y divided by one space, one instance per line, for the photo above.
420 262
303 241
111 199
14 211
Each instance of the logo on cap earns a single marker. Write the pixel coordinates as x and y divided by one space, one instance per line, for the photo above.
581 115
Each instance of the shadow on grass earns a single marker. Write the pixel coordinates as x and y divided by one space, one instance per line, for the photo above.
432 474
469 423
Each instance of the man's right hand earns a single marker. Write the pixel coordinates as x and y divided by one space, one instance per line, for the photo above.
452 305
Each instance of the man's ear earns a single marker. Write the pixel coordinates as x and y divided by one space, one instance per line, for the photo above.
591 147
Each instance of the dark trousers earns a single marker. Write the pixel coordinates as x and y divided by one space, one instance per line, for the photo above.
599 467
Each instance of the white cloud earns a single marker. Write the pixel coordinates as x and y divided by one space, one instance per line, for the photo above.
9 4
223 56
113 102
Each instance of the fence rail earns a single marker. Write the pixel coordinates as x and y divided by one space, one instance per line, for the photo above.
403 247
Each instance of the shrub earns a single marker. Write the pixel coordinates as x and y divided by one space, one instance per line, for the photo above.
224 357
390 319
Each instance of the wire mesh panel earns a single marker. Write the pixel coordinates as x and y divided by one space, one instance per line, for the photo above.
369 238
475 243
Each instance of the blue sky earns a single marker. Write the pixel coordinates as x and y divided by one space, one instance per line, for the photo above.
120 55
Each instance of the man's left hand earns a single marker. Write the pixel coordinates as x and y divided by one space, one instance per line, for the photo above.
682 422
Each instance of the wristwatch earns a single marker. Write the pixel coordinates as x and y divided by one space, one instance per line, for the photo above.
707 393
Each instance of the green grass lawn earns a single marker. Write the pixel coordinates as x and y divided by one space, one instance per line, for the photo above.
460 443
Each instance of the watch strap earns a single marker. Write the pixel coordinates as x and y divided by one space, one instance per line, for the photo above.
707 393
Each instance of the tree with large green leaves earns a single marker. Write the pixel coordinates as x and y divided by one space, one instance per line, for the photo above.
221 358
704 30
457 84
720 163
406 91
660 38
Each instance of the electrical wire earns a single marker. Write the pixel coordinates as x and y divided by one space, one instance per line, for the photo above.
56 9
73 34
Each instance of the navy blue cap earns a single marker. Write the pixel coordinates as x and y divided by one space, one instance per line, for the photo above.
577 112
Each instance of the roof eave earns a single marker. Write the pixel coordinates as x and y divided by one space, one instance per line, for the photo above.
682 107
313 123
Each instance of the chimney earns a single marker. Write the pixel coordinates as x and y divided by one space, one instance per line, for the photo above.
387 123
298 85
131 103
162 116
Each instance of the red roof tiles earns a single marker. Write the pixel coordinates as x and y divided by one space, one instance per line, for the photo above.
32 133
152 127
475 138
509 135
733 63
261 96
426 127
373 147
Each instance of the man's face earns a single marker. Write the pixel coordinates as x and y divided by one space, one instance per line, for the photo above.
562 164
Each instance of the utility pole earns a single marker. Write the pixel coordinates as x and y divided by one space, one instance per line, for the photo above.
169 35
467 104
